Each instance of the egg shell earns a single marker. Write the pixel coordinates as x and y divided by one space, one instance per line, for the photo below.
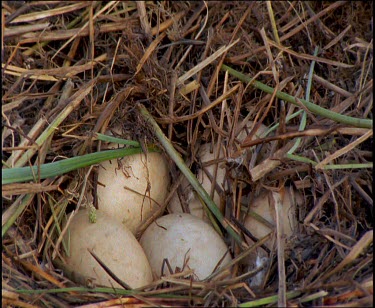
194 203
133 207
180 237
114 245
263 206
247 129
205 155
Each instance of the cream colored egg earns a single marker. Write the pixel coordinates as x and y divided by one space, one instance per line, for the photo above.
206 155
207 178
247 129
114 245
184 239
194 203
264 206
123 188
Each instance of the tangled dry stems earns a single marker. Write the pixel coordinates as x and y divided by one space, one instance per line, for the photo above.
110 56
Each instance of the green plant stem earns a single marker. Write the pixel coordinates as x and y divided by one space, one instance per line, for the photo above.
329 167
105 290
348 166
363 123
175 156
269 299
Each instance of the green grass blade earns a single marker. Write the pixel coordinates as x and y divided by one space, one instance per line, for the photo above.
17 175
302 124
107 138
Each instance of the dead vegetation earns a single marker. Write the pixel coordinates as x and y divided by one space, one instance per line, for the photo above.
84 67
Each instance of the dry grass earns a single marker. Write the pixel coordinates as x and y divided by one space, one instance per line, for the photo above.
85 65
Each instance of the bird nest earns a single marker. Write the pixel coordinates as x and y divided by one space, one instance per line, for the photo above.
75 71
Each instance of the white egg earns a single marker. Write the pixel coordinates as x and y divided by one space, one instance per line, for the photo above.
125 195
114 245
205 155
247 129
263 205
184 239
194 202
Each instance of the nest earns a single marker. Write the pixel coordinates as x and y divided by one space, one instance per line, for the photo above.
73 69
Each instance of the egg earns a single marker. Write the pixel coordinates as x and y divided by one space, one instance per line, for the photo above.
113 244
132 189
194 202
205 155
187 242
263 205
262 129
